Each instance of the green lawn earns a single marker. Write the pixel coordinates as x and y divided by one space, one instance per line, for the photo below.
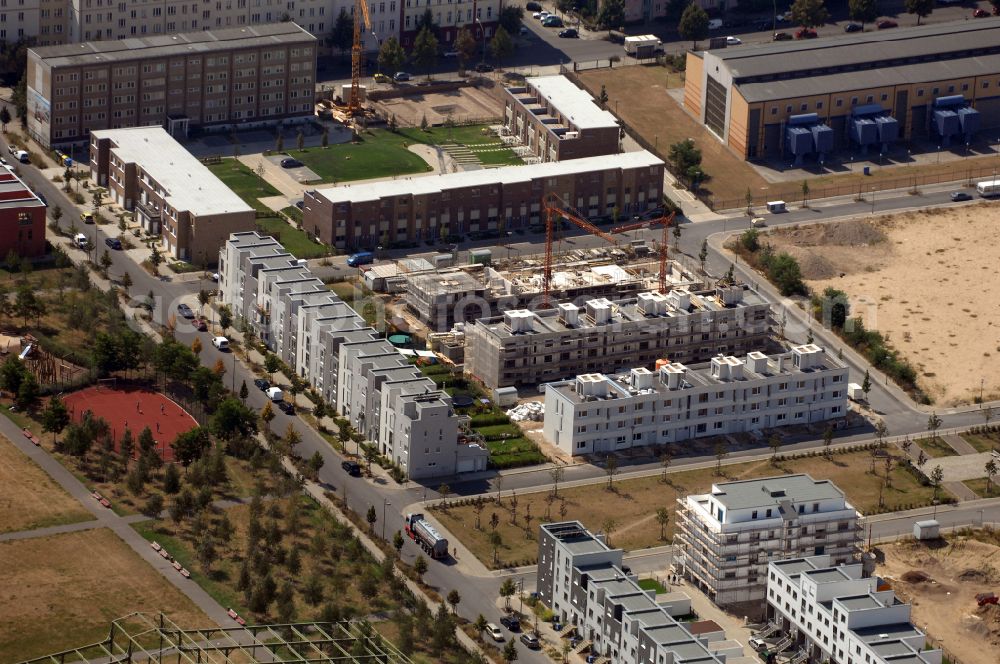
294 240
979 487
983 442
936 447
652 584
244 182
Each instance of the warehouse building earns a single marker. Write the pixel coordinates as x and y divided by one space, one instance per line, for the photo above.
418 208
22 217
726 538
357 371
251 76
800 100
557 120
597 413
843 615
524 348
172 193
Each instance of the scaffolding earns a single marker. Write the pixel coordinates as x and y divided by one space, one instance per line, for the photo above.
156 638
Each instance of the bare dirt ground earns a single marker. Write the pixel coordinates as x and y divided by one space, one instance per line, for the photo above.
925 279
462 106
941 581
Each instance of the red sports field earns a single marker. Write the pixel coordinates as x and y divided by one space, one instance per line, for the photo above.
133 409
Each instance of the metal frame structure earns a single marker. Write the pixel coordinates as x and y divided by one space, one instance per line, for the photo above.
157 639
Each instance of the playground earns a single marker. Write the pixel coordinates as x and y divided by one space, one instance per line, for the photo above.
133 408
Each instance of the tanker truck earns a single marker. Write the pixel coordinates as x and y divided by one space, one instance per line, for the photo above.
424 534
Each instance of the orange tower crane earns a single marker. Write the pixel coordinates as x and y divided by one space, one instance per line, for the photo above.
361 14
556 209
667 222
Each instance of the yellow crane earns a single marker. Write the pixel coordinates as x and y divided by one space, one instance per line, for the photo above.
354 104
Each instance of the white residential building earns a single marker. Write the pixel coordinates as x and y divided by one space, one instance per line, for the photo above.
725 539
358 372
581 579
837 615
600 413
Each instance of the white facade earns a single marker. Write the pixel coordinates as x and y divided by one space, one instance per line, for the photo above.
600 413
835 614
726 538
357 371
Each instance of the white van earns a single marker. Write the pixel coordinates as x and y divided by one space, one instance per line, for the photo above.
715 24
221 343
988 188
775 207
80 240
275 394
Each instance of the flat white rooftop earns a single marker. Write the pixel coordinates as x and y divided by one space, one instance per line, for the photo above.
431 184
189 185
574 103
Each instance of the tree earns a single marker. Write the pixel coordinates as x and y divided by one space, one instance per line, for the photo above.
292 438
827 440
933 424
809 13
98 199
425 50
171 480
922 8
300 140
937 476
342 35
225 318
4 118
397 542
190 445
703 254
244 392
693 24
510 652
611 469
420 568
465 44
272 364
556 474
881 431
315 463
721 452
232 419
55 417
153 506
774 442
206 552
685 157
863 11
608 526
196 346
510 18
502 45
371 517
279 141
991 470
126 447
866 384
155 259
507 590
480 626
27 305
443 491
805 193
312 591
663 518
454 598
602 99
391 55
611 15
28 393
496 541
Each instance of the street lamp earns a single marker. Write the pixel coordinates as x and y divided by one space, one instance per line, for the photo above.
385 503
483 30
873 199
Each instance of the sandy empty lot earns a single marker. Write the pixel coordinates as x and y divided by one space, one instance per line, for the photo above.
63 591
928 280
30 499
941 581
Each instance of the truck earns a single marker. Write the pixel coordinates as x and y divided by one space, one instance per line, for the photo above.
423 533
642 46
988 188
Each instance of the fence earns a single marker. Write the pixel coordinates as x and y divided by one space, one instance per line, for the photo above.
792 191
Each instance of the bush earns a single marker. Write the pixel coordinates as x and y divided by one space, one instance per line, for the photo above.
489 420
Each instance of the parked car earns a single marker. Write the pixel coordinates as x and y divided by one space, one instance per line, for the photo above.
531 641
3 162
539 15
300 204
353 469
289 162
201 325
185 311
733 41
451 54
495 632
522 31
757 643
715 24
853 27
511 623
806 33
221 343
262 384
552 22
533 7
782 36
381 78
113 243
885 24
401 76
980 13
286 407
360 258
87 217
81 241
957 196
569 33
484 67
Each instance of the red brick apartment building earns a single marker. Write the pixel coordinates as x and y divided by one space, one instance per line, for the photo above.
22 217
